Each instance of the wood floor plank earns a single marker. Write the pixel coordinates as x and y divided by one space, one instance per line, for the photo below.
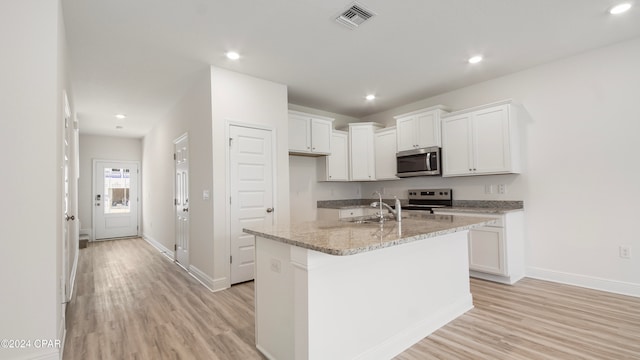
130 302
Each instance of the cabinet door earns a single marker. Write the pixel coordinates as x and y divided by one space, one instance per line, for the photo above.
486 250
491 140
321 136
456 145
406 133
299 134
338 164
385 155
361 153
428 129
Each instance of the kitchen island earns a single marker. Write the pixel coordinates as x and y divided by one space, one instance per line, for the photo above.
349 290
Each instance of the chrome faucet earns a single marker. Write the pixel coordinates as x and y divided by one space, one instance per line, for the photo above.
397 213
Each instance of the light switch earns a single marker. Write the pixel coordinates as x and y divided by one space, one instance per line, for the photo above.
205 194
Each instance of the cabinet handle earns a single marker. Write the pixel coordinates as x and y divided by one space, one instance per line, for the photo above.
313 148
308 147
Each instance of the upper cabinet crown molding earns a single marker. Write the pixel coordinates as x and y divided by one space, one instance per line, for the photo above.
309 134
420 128
481 107
483 140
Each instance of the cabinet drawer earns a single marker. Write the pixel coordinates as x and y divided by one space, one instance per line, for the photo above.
347 213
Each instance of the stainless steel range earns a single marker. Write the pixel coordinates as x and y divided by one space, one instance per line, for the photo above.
428 199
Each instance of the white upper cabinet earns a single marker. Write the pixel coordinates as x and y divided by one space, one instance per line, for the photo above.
385 154
362 151
335 167
481 141
419 129
309 134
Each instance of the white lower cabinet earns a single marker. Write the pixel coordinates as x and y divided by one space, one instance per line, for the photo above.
496 251
486 250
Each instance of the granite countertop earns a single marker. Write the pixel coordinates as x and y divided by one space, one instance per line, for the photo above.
459 206
348 238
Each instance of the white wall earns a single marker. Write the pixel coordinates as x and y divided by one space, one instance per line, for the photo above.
305 190
241 98
33 73
100 148
580 185
191 114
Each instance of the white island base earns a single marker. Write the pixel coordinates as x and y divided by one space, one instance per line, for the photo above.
371 305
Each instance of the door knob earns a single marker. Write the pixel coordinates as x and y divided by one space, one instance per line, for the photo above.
269 210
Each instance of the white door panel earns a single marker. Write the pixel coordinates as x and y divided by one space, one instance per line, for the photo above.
251 175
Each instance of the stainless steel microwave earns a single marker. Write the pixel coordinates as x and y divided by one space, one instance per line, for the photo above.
418 162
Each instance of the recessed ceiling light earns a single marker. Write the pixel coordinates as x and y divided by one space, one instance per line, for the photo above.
233 55
120 116
370 97
475 59
620 8
119 127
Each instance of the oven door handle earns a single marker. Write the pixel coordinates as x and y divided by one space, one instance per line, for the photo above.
428 161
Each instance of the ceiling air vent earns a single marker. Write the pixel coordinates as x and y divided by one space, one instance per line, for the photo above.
354 16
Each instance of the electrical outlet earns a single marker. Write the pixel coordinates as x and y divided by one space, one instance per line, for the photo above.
275 265
502 188
488 189
625 252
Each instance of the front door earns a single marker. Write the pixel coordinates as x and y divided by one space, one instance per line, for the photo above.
181 196
251 179
115 199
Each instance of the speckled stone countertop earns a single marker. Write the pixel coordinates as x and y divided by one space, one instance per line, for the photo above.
470 206
348 238
483 206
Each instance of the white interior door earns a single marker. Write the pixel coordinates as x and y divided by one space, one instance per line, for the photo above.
251 176
68 210
115 199
182 200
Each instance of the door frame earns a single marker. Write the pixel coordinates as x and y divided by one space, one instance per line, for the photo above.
175 239
93 193
274 176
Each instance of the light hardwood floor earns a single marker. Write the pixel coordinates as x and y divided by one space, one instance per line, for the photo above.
131 302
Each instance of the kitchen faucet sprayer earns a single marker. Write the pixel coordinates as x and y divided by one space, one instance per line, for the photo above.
397 213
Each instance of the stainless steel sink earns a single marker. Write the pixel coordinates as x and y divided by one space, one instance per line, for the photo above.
369 219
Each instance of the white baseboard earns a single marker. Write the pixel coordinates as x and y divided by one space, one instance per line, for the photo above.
163 249
404 340
221 284
213 285
613 286
87 232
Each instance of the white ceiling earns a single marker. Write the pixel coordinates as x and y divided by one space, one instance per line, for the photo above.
138 57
